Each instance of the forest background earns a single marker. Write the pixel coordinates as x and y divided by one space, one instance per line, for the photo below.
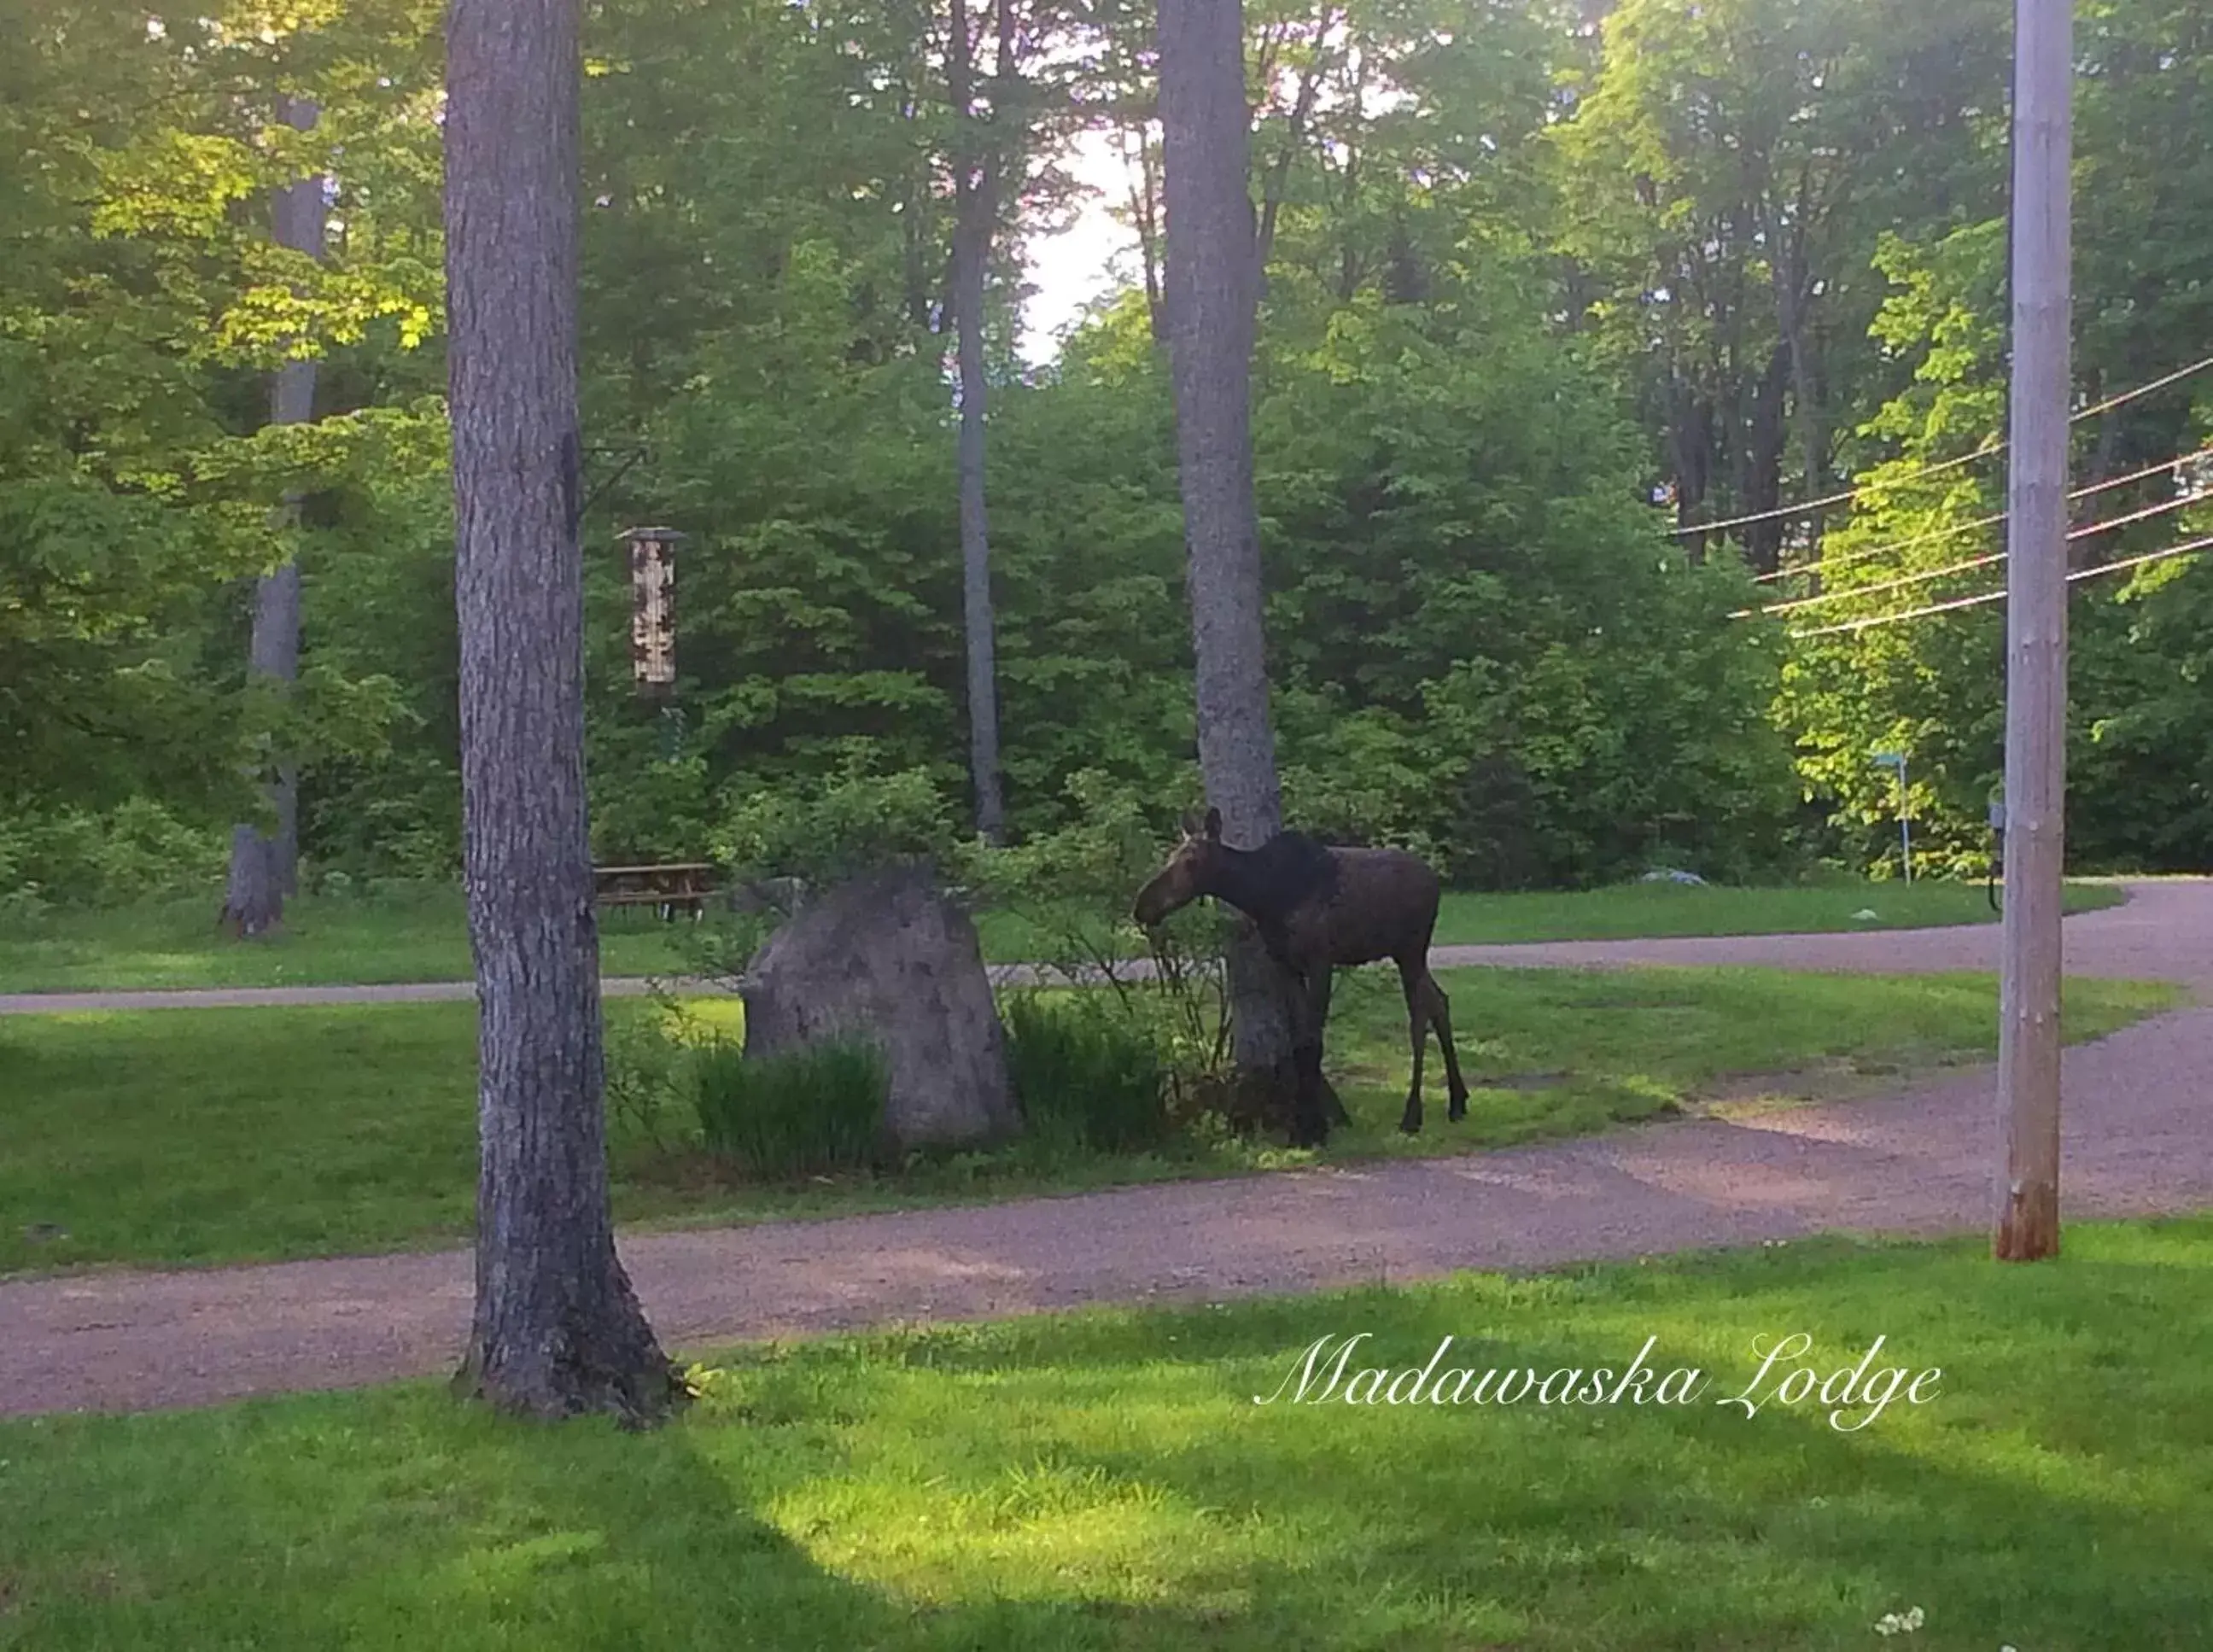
1547 286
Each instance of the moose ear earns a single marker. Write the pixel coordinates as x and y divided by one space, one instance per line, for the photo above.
1214 825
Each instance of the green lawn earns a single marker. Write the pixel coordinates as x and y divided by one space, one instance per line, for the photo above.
420 936
221 1134
1105 1481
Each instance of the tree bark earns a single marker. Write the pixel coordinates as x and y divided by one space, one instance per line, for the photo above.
1794 300
557 1331
1295 137
975 211
1145 198
265 865
1210 290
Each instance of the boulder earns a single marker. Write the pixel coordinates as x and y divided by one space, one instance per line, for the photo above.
889 959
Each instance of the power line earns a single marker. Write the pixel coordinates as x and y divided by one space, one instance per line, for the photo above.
1845 497
1827 564
2128 396
1999 596
2181 501
1984 452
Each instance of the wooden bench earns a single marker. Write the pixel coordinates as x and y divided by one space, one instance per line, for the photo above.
685 885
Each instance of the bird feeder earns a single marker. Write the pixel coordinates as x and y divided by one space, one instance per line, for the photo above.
653 609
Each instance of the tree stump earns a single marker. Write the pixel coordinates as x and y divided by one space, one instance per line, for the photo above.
890 960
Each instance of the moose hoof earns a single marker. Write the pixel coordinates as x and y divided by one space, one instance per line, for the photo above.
1409 1127
1457 1112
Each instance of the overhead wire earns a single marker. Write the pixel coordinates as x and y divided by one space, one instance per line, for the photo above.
2191 547
1984 451
2180 503
1825 564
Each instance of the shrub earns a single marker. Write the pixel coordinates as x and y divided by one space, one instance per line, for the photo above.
650 1062
1086 1075
848 824
803 1111
82 858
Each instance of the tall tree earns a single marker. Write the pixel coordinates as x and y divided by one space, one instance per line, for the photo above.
557 1330
978 160
1211 290
264 864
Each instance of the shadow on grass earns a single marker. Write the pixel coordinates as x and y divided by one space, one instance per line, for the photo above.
2053 1494
402 1520
1105 1481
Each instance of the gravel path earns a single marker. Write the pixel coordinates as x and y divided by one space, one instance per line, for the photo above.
1920 1163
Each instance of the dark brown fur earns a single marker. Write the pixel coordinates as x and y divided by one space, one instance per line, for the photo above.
1319 909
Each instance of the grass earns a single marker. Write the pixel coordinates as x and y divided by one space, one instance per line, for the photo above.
205 1136
1104 1481
420 936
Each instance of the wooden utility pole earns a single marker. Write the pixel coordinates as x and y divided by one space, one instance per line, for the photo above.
2036 633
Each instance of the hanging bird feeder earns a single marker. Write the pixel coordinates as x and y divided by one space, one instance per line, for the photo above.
653 609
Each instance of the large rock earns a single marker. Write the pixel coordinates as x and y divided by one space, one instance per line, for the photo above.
889 959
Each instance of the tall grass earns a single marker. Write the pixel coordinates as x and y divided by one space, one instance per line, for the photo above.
804 1111
1087 1075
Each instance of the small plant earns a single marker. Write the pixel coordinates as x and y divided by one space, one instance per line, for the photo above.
648 1066
1087 1074
803 1111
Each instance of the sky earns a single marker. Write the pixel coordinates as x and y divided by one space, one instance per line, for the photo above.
1093 255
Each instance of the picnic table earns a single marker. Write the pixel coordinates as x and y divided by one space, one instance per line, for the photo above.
685 885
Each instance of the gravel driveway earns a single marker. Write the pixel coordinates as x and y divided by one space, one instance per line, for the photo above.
1923 1161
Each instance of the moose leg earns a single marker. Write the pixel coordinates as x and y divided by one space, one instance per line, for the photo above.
1441 1016
1309 1110
1318 990
1310 1122
1417 1027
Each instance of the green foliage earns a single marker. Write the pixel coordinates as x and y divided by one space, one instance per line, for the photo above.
652 1069
1526 273
1934 686
135 852
804 1111
1086 1076
854 821
1488 650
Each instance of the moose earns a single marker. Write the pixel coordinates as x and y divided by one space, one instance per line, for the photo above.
1319 909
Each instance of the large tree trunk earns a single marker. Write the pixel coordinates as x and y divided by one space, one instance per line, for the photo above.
976 208
1210 290
557 1330
265 865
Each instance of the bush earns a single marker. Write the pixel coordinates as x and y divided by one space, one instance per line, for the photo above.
135 852
805 1112
851 823
650 1063
1085 1075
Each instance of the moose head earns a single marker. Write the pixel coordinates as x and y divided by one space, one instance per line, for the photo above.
1189 873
